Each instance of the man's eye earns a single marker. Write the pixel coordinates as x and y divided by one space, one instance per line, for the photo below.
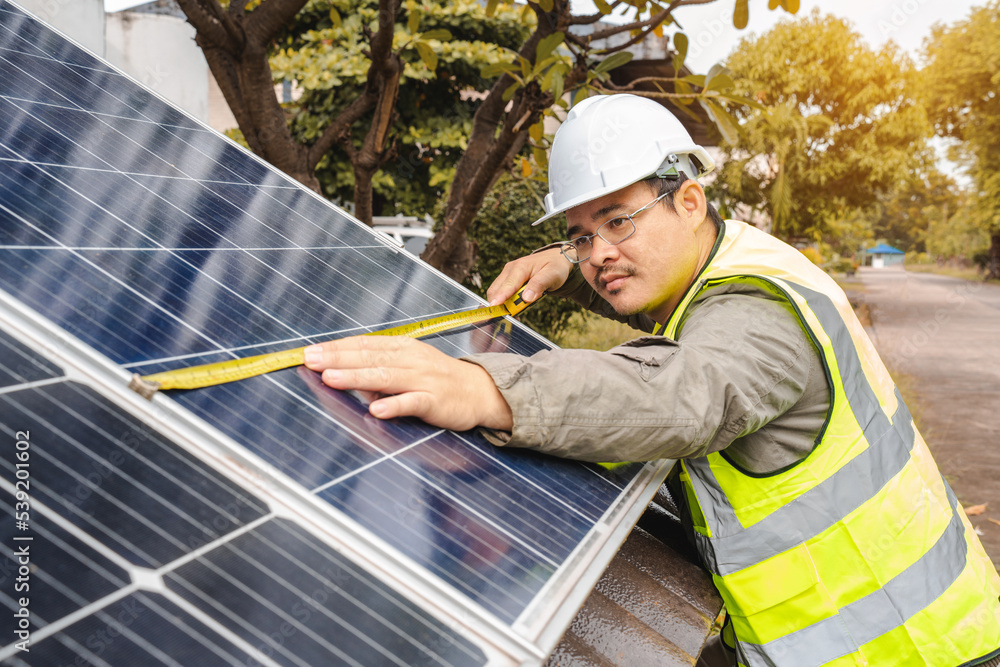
580 242
616 223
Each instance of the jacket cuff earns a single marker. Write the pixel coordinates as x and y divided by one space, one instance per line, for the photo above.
512 376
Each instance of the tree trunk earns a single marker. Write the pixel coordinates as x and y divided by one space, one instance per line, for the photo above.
374 152
993 262
489 153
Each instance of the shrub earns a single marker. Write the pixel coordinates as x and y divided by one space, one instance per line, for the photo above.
502 232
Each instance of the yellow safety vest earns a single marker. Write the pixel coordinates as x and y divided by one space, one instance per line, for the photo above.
860 554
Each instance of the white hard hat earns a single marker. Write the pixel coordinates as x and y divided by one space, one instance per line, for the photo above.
611 141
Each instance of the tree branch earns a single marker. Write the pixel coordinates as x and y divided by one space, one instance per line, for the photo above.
340 125
594 18
271 16
654 20
643 79
381 43
651 21
212 24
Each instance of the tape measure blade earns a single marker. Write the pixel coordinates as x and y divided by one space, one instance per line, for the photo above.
443 323
208 375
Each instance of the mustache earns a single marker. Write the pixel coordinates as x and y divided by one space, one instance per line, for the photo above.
614 269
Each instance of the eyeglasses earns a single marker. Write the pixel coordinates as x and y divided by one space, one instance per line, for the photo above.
612 232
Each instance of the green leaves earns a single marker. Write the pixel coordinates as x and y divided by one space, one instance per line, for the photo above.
613 61
719 78
427 54
681 48
440 34
508 94
494 70
426 51
548 44
549 69
554 80
741 14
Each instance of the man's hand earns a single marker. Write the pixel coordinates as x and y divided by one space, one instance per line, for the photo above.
540 272
421 381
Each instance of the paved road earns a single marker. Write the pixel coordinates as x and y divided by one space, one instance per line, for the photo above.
945 334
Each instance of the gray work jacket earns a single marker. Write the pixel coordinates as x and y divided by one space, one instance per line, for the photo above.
743 377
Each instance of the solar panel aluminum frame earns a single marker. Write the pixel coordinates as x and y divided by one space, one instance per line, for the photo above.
530 638
527 641
284 496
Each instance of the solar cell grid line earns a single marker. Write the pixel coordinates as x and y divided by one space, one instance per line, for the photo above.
251 253
169 567
90 285
35 336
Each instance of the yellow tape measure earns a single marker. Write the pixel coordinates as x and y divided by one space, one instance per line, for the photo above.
207 375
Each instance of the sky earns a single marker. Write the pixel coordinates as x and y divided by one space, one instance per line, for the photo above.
711 34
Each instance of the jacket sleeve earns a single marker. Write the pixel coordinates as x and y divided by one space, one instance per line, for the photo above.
740 362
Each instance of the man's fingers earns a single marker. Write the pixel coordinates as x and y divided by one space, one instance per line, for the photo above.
375 378
358 352
410 404
508 282
538 272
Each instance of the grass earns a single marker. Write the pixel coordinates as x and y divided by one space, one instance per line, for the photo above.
592 332
963 272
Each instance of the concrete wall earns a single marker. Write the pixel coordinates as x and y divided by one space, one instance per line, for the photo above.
80 20
159 51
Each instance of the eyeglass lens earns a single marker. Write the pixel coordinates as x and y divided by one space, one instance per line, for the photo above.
613 232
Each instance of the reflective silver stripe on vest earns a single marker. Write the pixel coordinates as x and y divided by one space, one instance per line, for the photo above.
734 547
875 614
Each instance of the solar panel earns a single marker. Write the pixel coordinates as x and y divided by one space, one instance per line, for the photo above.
268 521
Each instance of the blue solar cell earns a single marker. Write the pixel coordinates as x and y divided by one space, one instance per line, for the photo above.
291 597
160 244
464 544
140 629
116 478
65 573
22 33
19 364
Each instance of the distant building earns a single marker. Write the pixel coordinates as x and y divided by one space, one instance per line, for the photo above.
157 49
153 43
80 20
883 255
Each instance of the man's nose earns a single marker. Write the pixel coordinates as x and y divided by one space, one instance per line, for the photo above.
602 252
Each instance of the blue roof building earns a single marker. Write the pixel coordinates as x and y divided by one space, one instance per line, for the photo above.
884 255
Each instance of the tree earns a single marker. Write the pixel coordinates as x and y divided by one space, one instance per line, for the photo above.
238 37
501 233
838 129
443 48
962 94
907 213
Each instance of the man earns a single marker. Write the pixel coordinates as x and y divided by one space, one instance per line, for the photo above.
812 500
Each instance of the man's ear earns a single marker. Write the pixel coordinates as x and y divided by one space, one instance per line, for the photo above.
690 202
